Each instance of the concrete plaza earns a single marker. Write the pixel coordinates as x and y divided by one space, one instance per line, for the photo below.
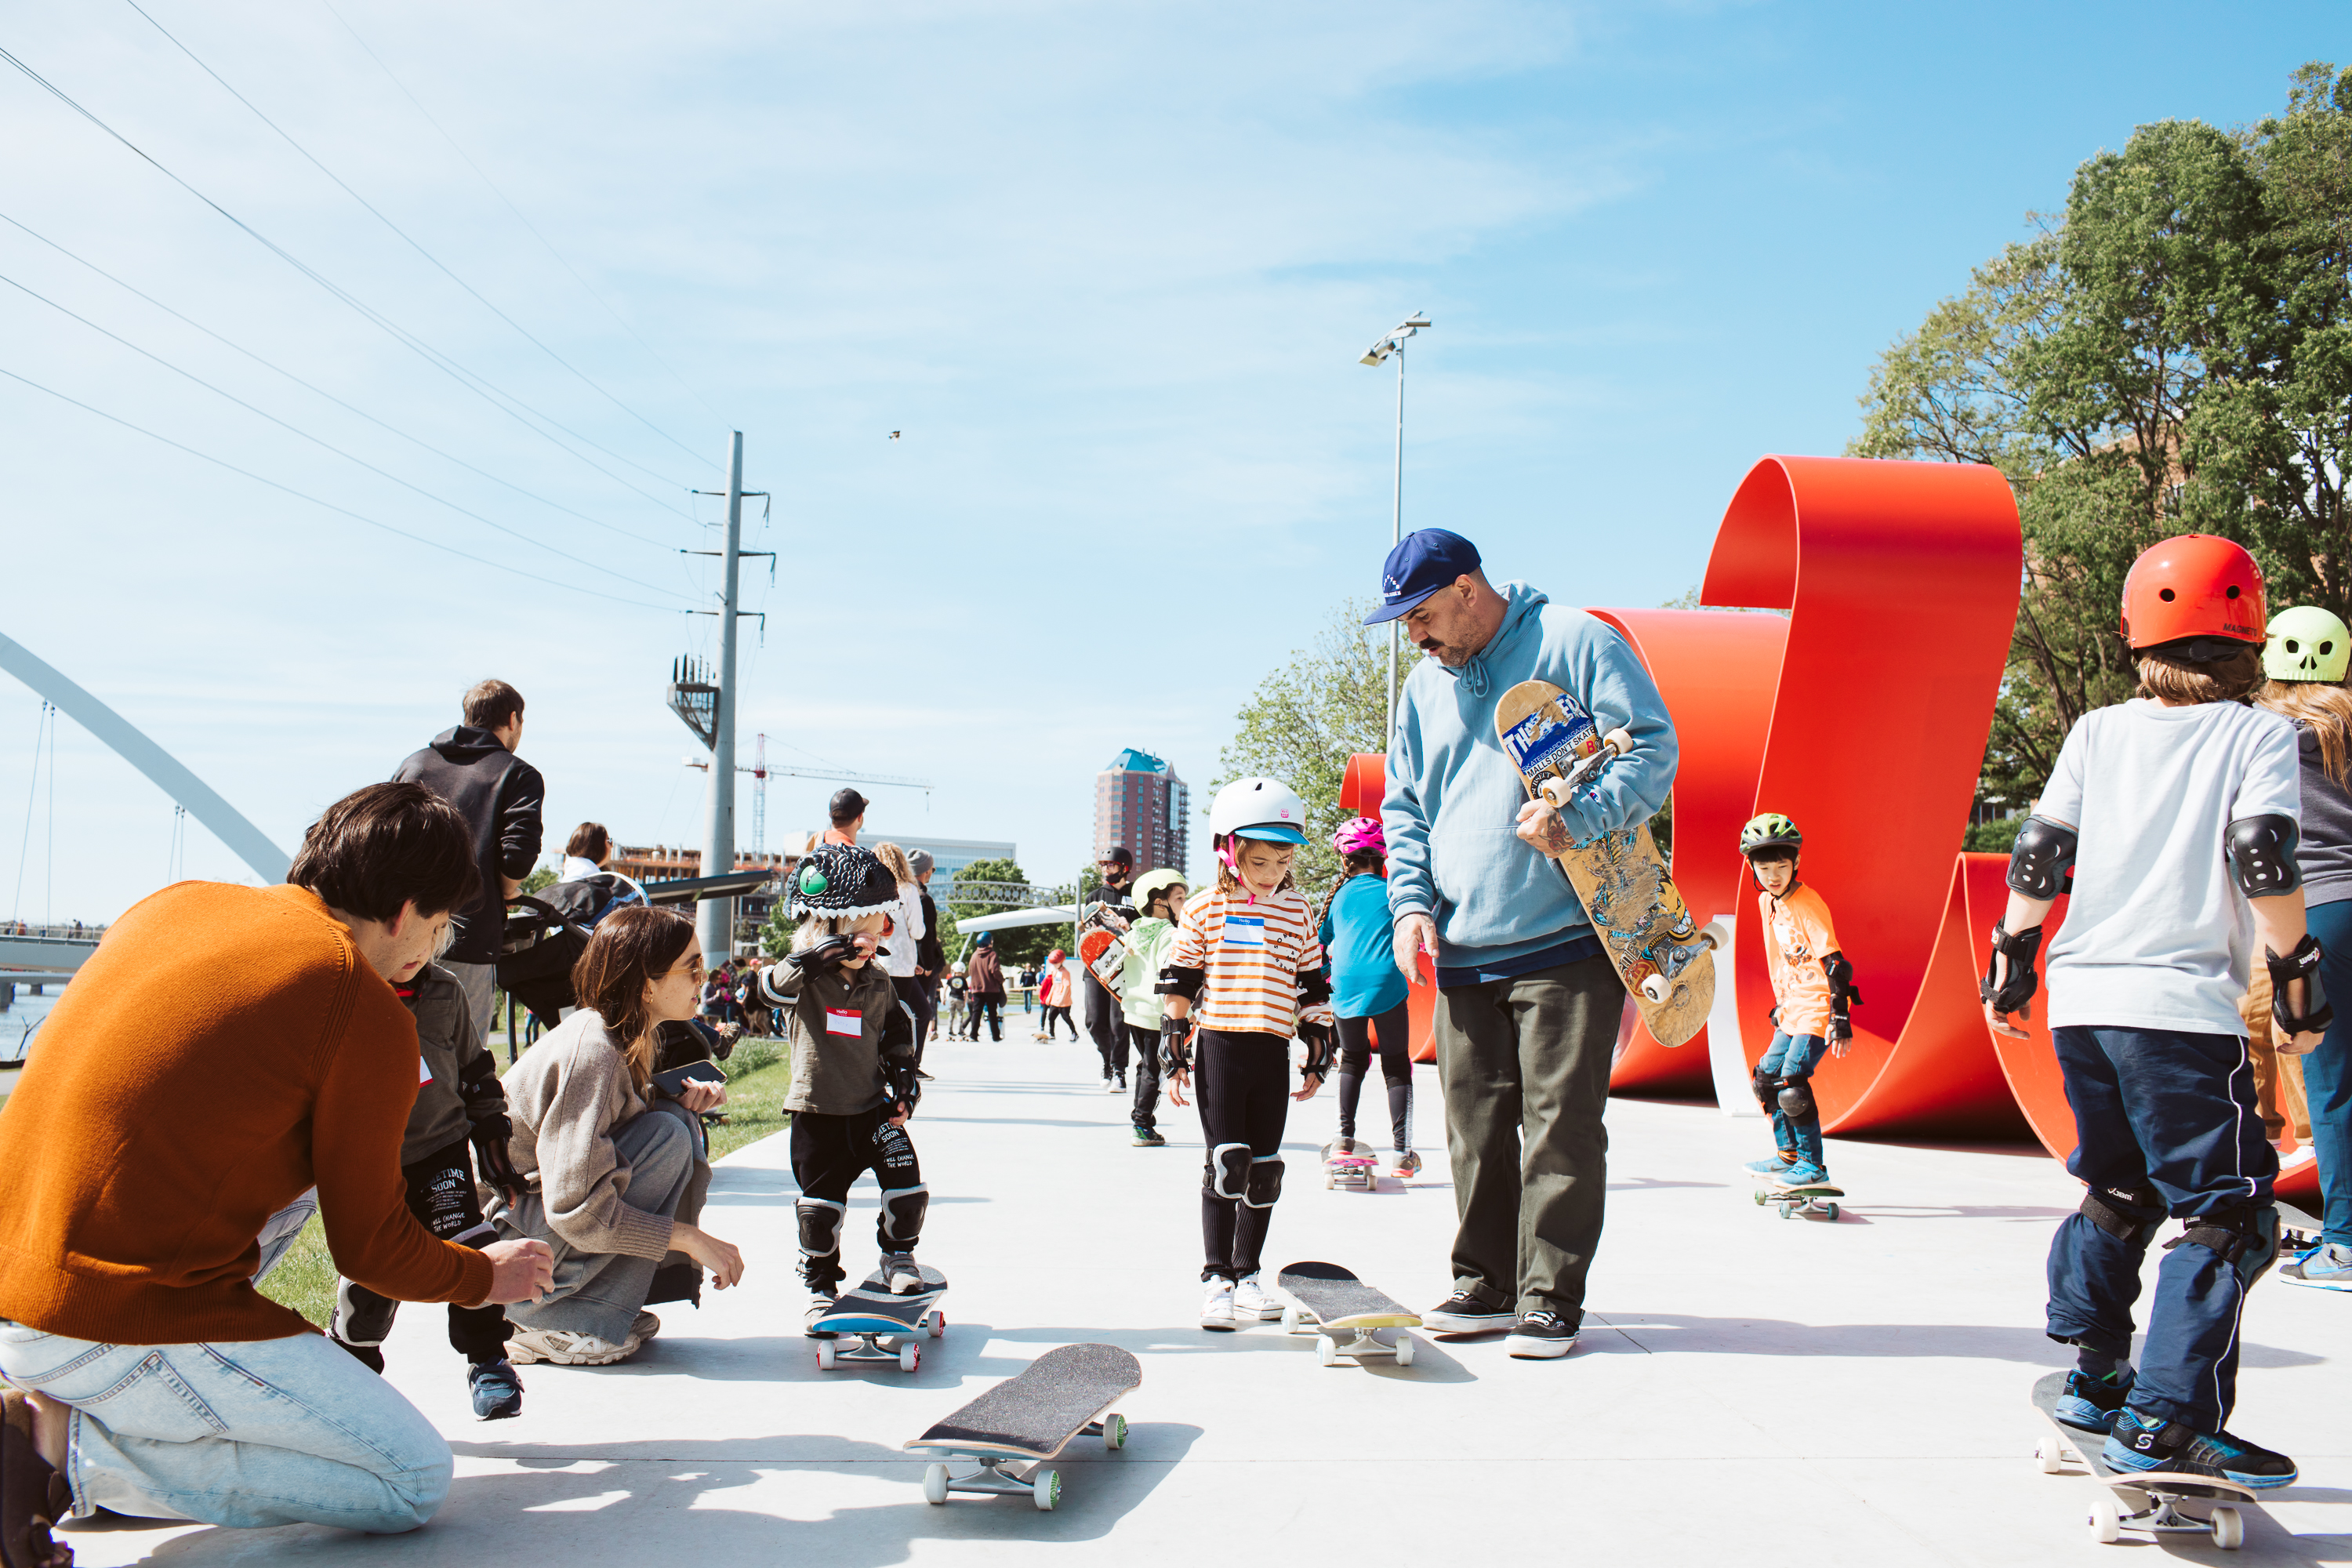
1747 1389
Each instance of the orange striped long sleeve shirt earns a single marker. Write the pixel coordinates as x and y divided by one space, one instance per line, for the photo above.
1254 955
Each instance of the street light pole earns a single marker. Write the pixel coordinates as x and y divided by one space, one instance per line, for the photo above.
1393 345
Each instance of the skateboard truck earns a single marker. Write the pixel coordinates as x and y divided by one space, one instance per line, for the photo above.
1714 935
1042 1486
1614 744
2146 1509
1361 1343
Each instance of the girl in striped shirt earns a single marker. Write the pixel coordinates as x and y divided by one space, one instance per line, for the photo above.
1247 972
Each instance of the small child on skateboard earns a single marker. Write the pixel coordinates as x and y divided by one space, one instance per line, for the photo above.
1812 993
1144 949
1248 973
2180 809
853 1079
1368 991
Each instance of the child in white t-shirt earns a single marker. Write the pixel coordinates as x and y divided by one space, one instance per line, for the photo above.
2177 814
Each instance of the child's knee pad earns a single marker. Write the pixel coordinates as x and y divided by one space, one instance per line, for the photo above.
1796 1099
820 1223
1264 1183
2130 1216
361 1317
1227 1173
902 1215
2246 1237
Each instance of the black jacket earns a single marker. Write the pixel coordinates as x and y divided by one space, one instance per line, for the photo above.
499 796
929 952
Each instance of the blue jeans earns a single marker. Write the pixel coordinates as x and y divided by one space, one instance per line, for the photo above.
248 1433
2328 1071
2176 1111
1793 1059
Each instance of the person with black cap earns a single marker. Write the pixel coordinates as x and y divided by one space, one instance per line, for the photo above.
1105 1021
1528 1003
847 811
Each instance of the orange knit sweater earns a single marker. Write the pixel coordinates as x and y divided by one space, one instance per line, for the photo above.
224 1049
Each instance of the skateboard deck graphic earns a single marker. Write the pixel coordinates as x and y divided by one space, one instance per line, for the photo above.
1354 1167
2141 1501
1334 1301
1635 909
1032 1415
870 1315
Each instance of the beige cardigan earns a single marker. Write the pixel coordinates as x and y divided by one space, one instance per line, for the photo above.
565 1097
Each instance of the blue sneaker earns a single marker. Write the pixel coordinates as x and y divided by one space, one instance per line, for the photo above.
2091 1404
497 1389
2140 1442
2327 1268
1772 1167
1802 1175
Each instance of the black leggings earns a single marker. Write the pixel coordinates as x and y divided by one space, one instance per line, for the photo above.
1242 1084
1059 1015
1395 1031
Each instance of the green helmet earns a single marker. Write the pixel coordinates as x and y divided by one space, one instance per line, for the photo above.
2307 643
1153 883
1769 831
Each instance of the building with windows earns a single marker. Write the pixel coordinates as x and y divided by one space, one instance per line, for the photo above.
1140 801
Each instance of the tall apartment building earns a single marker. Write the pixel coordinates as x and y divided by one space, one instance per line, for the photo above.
1140 801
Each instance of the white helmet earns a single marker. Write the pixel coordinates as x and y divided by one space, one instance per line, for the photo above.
1259 808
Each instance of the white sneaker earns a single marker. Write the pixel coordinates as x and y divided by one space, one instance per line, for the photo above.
1251 1304
1217 1307
563 1347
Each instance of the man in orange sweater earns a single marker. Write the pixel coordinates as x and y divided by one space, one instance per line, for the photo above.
224 1050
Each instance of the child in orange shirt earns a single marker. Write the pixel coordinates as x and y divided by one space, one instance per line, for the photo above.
1812 989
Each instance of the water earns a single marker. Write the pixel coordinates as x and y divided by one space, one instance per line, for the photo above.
20 1017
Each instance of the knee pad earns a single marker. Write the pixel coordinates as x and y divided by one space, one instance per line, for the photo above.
1797 1100
2130 1216
820 1222
361 1317
902 1215
2245 1238
1764 1085
1226 1174
1264 1183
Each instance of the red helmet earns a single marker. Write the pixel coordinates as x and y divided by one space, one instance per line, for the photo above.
1054 956
2194 585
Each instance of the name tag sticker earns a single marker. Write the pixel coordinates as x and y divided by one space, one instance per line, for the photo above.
1245 931
424 1070
844 1021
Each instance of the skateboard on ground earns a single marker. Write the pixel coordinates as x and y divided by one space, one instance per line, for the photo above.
1032 1415
871 1314
2138 1500
1799 1197
1347 1164
1636 910
1332 1301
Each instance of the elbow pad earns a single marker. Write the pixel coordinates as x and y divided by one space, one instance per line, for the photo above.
1175 981
1318 1040
2298 1002
2262 855
1314 988
2043 864
477 1083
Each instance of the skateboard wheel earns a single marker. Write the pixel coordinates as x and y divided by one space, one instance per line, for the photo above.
1830 1210
1327 1182
935 1483
909 1356
1290 1320
1045 1490
1404 1349
1653 989
1759 1200
2107 1520
1787 1211
2046 1456
2229 1529
1113 1432
938 1324
1327 1350
825 1355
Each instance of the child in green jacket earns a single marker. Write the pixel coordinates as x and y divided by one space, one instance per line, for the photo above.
1160 895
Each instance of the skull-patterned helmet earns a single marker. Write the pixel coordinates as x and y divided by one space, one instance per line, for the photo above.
2307 643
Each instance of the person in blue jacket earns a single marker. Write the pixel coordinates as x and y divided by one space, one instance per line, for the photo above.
1368 994
1528 1003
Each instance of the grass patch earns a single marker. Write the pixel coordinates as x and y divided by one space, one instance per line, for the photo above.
304 1279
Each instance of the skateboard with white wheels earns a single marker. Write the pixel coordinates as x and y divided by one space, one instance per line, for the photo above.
1794 1198
1347 1164
2145 1503
1665 959
1332 1302
870 1315
1032 1417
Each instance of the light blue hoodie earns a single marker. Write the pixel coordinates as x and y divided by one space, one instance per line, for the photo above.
1453 798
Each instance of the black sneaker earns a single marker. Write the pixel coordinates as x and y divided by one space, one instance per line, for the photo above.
2091 1404
497 1389
1463 1313
2139 1442
1540 1335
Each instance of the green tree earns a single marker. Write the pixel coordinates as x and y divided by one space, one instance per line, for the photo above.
2172 352
1022 945
1326 704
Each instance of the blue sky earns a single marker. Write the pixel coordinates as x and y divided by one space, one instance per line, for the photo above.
1109 269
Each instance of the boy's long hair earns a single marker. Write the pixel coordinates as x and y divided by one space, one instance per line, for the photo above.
2228 679
2326 708
631 948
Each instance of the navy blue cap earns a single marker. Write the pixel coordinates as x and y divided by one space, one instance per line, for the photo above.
1423 562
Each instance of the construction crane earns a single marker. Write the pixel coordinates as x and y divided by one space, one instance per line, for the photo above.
759 770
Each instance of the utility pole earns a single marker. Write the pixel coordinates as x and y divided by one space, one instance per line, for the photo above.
1390 346
714 918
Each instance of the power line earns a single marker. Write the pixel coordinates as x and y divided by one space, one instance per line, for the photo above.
329 445
480 385
590 289
314 500
410 239
320 391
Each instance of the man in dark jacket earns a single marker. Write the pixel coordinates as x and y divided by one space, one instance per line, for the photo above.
1105 1022
930 955
474 768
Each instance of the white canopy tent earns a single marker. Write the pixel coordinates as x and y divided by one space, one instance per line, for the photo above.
1050 914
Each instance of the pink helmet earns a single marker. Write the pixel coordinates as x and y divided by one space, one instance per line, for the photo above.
1359 833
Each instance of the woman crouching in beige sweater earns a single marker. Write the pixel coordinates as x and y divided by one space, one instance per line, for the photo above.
614 1172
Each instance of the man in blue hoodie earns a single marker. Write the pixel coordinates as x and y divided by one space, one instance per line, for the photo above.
1528 1003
